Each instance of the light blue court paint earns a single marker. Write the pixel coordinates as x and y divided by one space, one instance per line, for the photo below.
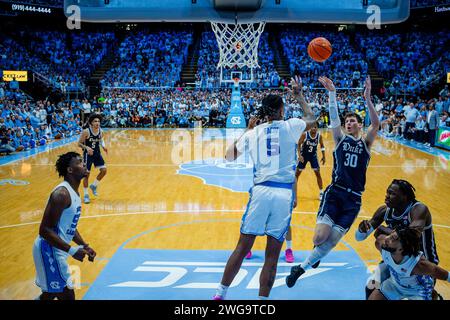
236 176
136 274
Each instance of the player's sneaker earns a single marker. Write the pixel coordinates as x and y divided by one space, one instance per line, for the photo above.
315 265
296 272
289 256
94 189
86 198
217 297
249 255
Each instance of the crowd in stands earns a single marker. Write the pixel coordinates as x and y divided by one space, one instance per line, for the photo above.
417 120
149 60
208 76
346 65
411 62
65 60
24 124
427 3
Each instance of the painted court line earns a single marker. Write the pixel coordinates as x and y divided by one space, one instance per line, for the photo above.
222 264
178 212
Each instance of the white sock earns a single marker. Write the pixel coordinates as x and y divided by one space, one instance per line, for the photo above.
321 190
222 290
288 244
86 192
95 183
263 298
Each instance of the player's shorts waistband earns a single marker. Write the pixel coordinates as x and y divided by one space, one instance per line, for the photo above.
347 189
275 184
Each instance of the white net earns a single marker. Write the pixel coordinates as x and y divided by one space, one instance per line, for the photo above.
238 43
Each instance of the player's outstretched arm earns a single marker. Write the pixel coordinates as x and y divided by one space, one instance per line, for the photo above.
427 268
335 122
374 120
232 151
419 216
366 227
297 92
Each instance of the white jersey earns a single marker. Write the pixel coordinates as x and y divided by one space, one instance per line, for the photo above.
68 221
402 282
273 149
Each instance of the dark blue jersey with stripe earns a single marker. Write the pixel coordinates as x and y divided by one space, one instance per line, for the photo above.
309 146
351 159
394 220
93 141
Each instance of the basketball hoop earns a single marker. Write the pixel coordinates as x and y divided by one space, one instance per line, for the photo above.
238 43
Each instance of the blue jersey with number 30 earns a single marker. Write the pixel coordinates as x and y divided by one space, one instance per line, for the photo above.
351 159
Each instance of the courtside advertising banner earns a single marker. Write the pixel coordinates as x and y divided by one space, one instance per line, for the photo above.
443 137
9 75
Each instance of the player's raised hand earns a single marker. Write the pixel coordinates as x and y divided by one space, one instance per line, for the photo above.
367 87
327 83
296 84
252 122
364 226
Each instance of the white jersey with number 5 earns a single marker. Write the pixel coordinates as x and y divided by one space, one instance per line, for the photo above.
273 149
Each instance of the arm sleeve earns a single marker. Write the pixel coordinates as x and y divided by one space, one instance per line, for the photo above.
334 114
296 128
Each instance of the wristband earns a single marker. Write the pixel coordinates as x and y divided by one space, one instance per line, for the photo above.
323 149
73 250
360 236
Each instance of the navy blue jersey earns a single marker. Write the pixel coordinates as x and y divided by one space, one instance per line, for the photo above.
309 146
351 159
93 141
394 220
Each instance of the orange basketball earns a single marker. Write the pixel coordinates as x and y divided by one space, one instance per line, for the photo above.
319 49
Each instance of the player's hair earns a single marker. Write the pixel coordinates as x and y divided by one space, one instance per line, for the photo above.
271 105
353 115
94 116
63 162
410 239
406 188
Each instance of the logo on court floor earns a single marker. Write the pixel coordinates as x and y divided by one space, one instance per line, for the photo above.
236 176
188 274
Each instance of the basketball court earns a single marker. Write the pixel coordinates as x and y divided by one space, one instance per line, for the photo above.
169 210
164 230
